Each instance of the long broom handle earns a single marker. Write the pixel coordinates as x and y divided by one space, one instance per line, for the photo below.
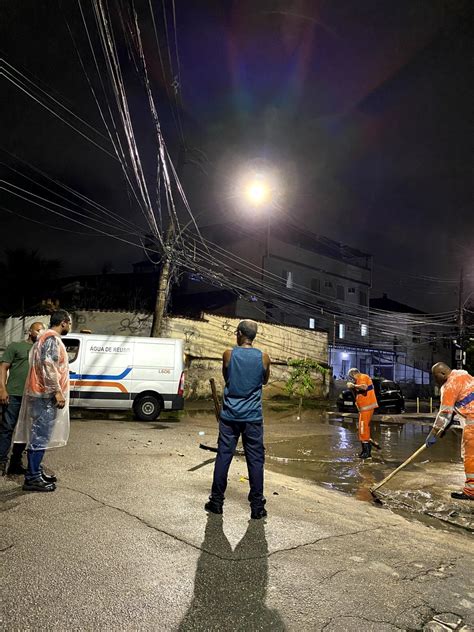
400 467
415 454
217 406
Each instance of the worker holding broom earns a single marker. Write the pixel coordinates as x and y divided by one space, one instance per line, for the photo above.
456 396
245 371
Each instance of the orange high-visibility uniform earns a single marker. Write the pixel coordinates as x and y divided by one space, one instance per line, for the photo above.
458 392
366 403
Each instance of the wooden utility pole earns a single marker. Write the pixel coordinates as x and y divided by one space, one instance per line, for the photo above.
163 286
159 313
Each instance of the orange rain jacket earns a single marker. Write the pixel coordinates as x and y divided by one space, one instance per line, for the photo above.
365 400
48 374
458 392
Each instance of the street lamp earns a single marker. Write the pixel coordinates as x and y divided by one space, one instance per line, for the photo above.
257 191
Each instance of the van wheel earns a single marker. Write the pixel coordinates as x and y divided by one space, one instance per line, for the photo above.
147 408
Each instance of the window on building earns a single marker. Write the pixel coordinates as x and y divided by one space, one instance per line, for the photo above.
415 336
341 330
344 367
316 285
363 365
363 298
328 288
312 323
364 330
340 293
351 290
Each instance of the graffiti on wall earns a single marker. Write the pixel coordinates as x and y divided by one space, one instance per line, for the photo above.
135 325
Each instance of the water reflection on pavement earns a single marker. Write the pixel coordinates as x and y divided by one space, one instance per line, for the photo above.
324 449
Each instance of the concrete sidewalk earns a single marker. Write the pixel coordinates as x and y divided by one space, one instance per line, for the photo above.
124 544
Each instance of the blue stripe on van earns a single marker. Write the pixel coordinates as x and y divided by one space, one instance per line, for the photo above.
87 376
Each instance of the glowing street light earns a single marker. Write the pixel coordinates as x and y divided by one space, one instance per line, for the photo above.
257 191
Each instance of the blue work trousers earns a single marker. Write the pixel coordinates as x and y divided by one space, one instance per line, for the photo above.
8 423
44 413
252 440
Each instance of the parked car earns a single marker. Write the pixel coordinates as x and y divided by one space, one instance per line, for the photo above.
389 397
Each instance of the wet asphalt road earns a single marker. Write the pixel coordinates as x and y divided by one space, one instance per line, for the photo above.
124 544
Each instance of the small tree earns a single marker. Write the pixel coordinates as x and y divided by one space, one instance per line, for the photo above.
300 381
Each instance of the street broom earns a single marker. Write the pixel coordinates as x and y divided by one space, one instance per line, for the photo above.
411 458
400 467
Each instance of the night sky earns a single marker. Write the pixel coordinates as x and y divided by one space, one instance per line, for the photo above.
365 108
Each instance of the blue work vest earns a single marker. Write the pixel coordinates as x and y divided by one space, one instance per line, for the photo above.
243 390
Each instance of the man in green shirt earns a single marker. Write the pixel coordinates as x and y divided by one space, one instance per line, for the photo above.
13 373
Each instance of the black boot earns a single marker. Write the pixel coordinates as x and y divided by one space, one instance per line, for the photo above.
16 468
366 450
38 485
213 507
461 496
258 513
49 478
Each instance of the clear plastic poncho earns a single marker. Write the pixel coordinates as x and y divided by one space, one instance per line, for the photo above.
41 424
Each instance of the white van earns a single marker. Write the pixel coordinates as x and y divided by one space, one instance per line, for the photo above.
117 372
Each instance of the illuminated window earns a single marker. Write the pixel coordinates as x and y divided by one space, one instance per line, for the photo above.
341 330
312 323
364 330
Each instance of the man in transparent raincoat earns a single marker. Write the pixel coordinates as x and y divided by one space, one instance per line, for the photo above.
44 415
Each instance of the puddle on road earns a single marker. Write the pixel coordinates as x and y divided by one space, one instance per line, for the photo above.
328 456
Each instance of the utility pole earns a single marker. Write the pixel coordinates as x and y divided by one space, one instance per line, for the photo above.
159 313
460 351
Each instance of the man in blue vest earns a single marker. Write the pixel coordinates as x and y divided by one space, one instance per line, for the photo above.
245 371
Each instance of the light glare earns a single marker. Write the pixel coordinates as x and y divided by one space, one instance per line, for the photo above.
257 192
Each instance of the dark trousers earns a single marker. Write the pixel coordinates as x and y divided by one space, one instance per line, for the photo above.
7 428
252 440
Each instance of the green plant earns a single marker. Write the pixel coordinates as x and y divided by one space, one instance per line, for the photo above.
300 382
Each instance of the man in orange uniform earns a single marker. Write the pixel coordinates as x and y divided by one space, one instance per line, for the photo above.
457 395
366 403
